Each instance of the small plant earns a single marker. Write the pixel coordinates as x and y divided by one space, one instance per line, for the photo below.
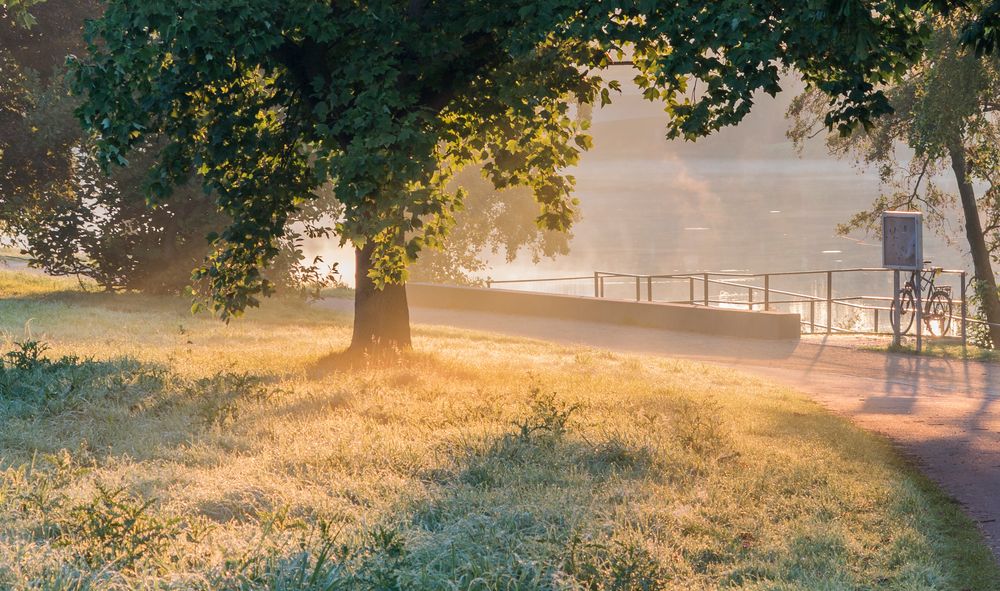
116 528
618 566
698 426
27 356
38 488
548 416
221 396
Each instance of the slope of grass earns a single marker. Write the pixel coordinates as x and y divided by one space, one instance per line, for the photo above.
149 449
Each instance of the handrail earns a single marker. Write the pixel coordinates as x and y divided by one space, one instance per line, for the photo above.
738 281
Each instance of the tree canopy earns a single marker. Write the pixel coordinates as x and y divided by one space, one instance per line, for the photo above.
268 100
945 112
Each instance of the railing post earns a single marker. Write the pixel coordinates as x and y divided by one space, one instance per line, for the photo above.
489 284
691 286
812 316
602 286
597 284
705 278
829 302
897 319
876 320
965 317
649 289
638 289
750 298
767 293
918 316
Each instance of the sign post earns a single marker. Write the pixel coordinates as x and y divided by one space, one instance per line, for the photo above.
903 250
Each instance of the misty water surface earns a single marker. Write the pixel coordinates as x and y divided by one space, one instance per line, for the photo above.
741 200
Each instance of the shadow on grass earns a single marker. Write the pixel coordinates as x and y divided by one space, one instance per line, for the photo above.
401 366
280 310
530 508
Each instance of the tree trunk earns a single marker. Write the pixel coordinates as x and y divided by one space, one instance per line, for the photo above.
381 316
977 243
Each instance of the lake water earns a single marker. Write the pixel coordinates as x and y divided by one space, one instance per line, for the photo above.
741 200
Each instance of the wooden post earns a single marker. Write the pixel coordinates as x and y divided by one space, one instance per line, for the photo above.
812 316
767 293
829 302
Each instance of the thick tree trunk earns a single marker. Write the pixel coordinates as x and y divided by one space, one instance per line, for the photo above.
977 243
381 316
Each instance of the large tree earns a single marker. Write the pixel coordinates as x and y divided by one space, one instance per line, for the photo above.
946 112
387 99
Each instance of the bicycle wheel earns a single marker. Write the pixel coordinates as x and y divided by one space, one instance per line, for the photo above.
938 321
905 319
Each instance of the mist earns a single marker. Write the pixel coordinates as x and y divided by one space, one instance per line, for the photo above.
742 199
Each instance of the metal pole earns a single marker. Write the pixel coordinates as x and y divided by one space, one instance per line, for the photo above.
898 319
767 293
649 289
750 299
602 286
812 316
876 321
691 285
829 302
965 317
638 289
597 284
706 289
919 316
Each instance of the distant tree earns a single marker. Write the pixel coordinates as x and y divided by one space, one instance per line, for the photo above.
946 111
58 205
499 222
388 99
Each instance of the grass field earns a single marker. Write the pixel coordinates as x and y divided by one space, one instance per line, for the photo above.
150 449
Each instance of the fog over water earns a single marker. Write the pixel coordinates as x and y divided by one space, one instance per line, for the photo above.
742 199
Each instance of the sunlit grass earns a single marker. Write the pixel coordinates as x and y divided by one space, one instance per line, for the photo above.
479 462
947 348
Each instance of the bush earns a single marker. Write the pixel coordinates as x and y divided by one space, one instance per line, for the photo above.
979 334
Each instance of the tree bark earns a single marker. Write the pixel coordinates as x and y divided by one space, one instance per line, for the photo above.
977 242
381 316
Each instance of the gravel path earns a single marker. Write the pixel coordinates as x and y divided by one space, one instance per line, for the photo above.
941 412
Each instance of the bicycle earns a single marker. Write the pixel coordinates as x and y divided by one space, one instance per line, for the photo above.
937 304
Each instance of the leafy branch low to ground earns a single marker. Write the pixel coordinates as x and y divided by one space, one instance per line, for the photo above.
144 448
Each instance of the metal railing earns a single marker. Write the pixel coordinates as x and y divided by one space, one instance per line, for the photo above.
761 295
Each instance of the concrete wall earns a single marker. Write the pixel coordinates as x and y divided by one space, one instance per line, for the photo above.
679 317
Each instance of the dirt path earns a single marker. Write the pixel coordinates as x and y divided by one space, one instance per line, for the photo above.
942 412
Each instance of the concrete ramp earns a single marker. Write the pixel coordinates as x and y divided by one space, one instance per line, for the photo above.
676 317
